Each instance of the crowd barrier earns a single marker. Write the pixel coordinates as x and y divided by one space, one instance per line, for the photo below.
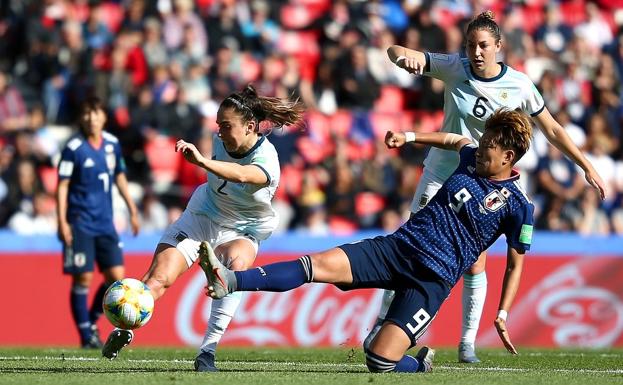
571 295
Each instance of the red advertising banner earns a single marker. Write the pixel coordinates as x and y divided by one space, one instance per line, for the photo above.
563 301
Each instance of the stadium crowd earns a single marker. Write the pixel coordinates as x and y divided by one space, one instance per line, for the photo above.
162 68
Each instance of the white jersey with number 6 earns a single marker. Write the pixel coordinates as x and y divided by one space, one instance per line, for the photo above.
470 99
243 207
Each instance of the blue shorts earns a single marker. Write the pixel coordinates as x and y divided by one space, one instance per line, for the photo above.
87 249
382 262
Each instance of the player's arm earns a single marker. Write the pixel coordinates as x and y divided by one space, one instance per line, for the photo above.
229 171
557 136
122 184
444 140
510 285
62 193
411 60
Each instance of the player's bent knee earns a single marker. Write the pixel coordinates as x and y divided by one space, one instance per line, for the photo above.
379 364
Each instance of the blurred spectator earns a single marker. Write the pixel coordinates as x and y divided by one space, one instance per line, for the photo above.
596 30
590 219
260 31
41 220
553 35
153 47
13 114
357 88
224 26
21 191
181 20
153 214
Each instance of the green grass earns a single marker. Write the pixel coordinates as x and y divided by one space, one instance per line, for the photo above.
341 366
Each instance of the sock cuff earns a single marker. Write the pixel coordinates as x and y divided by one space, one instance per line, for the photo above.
378 364
79 289
307 266
475 281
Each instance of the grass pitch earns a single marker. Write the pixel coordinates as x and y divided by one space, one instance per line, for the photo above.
342 366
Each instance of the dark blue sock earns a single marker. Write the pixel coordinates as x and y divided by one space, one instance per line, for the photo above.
282 276
80 311
408 364
96 307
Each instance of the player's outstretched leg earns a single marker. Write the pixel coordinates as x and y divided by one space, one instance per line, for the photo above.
220 279
117 340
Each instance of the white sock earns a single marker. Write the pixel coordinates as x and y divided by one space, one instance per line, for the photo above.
474 295
388 296
222 312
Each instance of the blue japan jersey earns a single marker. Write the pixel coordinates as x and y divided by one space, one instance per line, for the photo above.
465 217
91 172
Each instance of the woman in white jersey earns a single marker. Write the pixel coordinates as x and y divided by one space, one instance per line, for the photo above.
475 87
232 211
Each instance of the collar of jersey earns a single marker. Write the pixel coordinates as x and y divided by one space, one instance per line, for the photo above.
502 72
514 176
240 156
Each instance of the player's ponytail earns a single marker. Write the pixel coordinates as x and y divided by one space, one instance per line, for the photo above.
486 21
278 112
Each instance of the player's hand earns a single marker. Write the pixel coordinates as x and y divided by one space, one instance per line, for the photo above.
189 151
411 65
135 223
64 233
593 178
500 326
395 139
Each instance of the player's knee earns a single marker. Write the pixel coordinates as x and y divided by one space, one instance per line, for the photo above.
240 263
379 364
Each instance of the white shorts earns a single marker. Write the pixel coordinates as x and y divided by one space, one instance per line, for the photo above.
191 229
426 189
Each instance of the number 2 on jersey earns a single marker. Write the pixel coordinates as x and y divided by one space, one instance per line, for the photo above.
221 187
461 197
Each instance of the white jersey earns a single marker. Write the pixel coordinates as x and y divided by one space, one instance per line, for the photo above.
243 207
469 100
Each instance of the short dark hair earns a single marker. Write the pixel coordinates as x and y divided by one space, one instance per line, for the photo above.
512 130
91 103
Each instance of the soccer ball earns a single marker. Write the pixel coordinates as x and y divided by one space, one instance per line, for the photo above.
128 303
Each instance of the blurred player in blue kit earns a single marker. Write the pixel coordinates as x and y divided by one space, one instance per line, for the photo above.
481 200
90 163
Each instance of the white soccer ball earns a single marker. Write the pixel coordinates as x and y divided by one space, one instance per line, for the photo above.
128 303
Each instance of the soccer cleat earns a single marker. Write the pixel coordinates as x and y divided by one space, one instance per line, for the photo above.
117 340
467 353
94 342
425 356
204 362
215 271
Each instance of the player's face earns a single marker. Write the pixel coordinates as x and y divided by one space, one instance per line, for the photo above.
93 121
481 50
491 160
231 129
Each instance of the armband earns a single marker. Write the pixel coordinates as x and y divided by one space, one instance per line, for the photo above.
409 136
502 314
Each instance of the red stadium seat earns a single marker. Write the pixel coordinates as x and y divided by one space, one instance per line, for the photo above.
368 203
390 100
163 160
49 178
341 226
341 122
383 122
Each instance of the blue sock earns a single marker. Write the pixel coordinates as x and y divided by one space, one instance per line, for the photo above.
408 364
282 276
96 307
80 311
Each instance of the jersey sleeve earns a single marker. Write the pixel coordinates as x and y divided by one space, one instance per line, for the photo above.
445 67
268 162
66 165
467 155
120 166
533 102
519 228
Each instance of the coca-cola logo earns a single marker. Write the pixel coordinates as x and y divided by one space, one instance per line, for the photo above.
577 305
314 314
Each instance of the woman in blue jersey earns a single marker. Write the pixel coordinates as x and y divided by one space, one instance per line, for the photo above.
475 87
232 211
90 163
426 256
